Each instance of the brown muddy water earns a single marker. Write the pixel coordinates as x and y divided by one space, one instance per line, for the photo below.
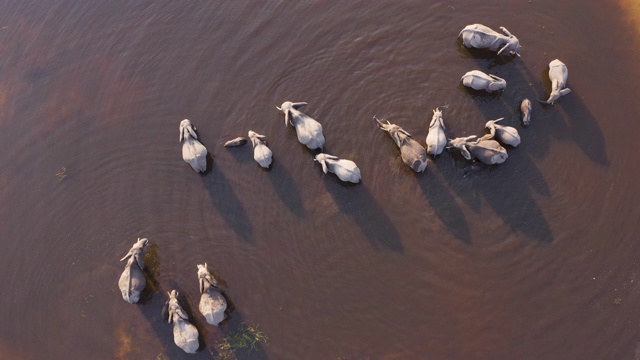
533 259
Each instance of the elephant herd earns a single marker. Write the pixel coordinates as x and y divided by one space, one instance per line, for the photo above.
487 149
212 304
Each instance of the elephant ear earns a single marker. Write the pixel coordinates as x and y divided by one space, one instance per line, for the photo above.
465 152
192 132
324 166
181 132
298 105
396 137
286 118
433 121
492 130
165 312
140 259
181 313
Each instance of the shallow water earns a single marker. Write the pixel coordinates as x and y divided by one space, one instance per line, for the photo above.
535 258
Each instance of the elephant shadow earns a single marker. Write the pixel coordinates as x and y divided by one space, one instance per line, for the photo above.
583 127
287 190
228 204
356 201
444 205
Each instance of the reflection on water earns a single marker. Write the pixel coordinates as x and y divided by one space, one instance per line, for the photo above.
524 260
632 12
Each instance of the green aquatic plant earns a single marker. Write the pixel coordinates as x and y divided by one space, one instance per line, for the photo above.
246 337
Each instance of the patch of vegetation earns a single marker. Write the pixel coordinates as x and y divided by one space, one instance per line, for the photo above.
246 338
617 301
62 174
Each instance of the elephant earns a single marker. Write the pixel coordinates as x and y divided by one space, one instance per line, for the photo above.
239 141
346 170
185 335
436 139
261 153
193 152
413 154
483 37
558 74
505 134
485 149
525 108
132 281
212 302
478 80
309 131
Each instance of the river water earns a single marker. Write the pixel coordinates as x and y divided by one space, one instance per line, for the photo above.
532 259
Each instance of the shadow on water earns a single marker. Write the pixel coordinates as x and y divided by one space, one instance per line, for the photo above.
444 205
286 189
227 202
583 126
512 201
488 57
241 154
356 201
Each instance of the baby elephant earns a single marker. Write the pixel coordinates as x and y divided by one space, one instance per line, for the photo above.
132 280
525 108
505 134
239 141
478 80
558 74
308 130
413 154
483 37
212 303
193 152
185 335
346 170
484 149
436 140
261 153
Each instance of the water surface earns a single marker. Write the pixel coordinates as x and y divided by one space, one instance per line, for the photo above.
535 258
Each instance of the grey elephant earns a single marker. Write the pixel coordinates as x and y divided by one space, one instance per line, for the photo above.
558 74
436 139
212 302
193 152
483 37
309 131
478 80
525 109
485 149
505 134
346 170
239 141
261 153
413 154
132 280
185 335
